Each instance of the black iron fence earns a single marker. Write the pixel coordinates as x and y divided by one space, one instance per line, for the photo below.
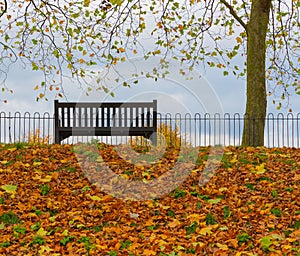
27 127
199 129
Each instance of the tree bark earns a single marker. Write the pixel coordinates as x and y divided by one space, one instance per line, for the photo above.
256 105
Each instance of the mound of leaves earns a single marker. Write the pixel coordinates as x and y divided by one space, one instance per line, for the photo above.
51 202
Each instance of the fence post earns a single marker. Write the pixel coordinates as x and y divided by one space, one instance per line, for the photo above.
56 123
154 135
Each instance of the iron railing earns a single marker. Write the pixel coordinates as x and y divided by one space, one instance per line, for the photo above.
199 129
26 127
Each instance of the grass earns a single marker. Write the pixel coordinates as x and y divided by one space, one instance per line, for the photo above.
9 218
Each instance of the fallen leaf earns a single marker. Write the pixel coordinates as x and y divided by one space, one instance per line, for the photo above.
214 201
41 232
174 223
95 198
149 252
46 249
223 247
205 231
9 188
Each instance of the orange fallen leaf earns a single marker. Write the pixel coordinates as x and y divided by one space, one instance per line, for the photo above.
149 252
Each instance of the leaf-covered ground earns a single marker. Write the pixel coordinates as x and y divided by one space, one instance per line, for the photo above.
48 206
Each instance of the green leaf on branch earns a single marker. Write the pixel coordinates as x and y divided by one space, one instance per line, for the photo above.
56 53
34 66
116 2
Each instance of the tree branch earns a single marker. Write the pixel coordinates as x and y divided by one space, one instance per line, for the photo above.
234 14
5 9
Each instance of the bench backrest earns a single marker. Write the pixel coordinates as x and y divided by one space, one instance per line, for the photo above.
102 117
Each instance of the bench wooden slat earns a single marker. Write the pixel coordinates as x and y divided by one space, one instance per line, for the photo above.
106 119
104 104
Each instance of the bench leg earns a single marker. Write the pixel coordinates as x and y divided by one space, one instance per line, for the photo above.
57 139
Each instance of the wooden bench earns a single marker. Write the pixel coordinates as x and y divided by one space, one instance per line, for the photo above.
105 119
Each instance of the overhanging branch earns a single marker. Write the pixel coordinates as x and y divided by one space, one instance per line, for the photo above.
5 9
234 14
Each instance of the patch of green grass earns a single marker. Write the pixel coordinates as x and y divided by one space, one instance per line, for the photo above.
125 244
72 169
198 205
171 213
188 156
37 212
152 227
156 212
45 189
19 229
274 193
277 212
86 188
8 163
250 186
227 212
261 156
52 212
194 193
191 250
38 240
19 157
243 238
287 232
244 161
289 189
209 219
36 160
5 244
97 228
266 243
133 224
249 203
88 245
191 228
66 240
128 172
226 161
289 161
20 145
2 200
9 218
296 224
35 226
178 193
265 178
92 156
204 197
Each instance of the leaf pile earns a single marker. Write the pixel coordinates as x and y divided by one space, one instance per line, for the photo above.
48 206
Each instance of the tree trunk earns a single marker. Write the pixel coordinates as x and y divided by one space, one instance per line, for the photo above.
256 105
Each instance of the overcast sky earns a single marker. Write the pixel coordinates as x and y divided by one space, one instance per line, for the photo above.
208 91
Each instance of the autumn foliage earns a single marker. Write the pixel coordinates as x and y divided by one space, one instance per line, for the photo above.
167 136
48 206
37 137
